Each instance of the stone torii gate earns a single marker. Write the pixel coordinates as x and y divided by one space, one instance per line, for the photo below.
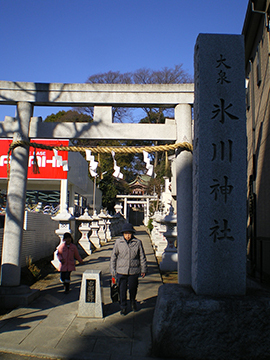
103 97
137 199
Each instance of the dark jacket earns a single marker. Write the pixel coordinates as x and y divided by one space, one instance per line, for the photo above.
128 257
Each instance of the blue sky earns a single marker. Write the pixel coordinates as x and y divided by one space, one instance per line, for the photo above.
66 41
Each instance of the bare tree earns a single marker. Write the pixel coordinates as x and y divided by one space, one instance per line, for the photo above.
119 114
174 75
110 77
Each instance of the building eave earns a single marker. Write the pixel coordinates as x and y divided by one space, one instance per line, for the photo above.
251 26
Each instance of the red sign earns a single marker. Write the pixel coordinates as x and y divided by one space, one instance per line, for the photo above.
51 165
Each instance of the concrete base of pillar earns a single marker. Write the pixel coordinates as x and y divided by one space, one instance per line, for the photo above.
14 296
196 327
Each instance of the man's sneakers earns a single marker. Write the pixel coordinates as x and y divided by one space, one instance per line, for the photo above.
134 305
123 311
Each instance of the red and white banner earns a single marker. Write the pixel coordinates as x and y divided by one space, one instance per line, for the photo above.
50 165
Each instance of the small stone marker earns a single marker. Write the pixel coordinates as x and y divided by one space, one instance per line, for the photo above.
219 167
90 303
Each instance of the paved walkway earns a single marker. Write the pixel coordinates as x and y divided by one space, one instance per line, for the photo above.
49 326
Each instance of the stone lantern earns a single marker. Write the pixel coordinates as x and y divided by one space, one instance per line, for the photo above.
118 219
108 230
84 229
102 226
94 238
64 219
166 196
170 256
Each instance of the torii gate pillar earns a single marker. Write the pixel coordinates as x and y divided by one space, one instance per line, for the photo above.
125 208
183 168
11 252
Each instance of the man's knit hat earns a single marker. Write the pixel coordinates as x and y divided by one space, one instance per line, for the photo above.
127 227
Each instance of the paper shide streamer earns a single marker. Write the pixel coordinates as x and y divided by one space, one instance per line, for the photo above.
149 167
117 173
92 163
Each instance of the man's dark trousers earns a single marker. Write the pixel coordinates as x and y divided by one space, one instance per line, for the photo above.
130 282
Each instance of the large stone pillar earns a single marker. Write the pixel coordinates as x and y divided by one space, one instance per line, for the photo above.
183 169
16 193
204 319
219 175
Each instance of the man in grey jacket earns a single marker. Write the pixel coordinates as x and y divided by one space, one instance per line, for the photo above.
128 261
